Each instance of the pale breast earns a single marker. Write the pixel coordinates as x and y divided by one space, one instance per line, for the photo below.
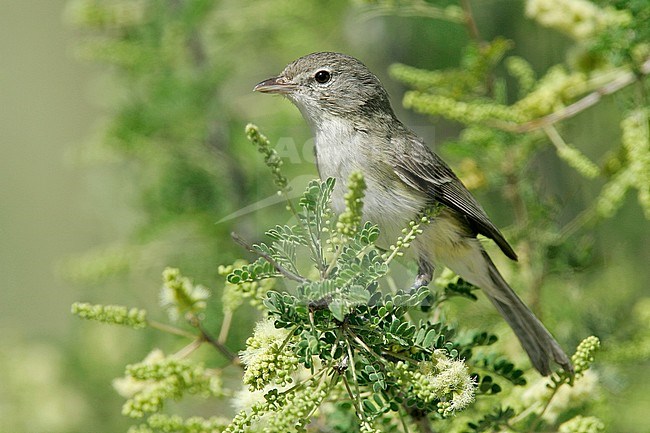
340 150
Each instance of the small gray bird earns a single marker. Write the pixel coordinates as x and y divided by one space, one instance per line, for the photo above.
355 129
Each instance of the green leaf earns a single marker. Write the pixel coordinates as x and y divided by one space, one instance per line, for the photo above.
338 309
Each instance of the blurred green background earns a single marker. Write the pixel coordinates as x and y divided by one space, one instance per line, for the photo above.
47 203
108 176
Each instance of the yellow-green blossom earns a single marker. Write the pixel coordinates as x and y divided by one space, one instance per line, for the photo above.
148 384
271 157
297 408
114 314
179 296
523 72
636 141
410 233
553 92
268 357
579 19
195 424
442 379
582 424
578 160
350 219
584 356
461 111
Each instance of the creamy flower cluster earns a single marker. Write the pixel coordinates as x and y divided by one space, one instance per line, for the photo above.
443 379
267 357
582 424
180 297
148 384
579 19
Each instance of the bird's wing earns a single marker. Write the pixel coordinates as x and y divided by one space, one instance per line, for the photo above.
417 166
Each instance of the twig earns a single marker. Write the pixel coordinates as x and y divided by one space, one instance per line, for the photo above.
225 327
555 137
287 273
470 23
353 371
170 329
187 350
304 382
315 245
624 80
205 336
355 401
576 223
333 261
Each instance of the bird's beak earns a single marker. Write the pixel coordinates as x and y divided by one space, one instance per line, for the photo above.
277 85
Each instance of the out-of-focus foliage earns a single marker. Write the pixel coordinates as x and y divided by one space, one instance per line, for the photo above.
172 65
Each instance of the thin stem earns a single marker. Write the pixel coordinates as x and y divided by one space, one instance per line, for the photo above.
353 370
548 402
338 252
511 428
304 382
402 357
170 329
470 23
225 327
290 204
403 421
555 137
362 344
392 285
354 399
557 140
189 349
317 247
538 418
576 223
286 340
287 273
332 264
205 336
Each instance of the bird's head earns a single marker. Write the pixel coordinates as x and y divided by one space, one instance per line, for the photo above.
330 84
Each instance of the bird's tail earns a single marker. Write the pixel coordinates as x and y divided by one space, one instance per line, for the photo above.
536 340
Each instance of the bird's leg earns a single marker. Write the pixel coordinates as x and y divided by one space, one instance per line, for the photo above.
425 274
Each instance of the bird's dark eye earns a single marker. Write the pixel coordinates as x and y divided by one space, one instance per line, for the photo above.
322 77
